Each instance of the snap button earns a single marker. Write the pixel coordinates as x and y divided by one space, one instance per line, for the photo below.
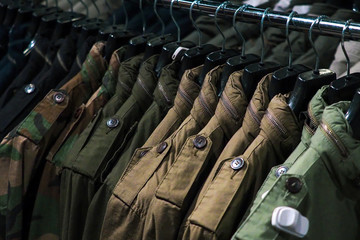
30 88
59 97
162 146
281 170
200 142
293 184
237 163
143 153
112 122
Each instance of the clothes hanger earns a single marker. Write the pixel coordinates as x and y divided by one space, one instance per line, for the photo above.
195 56
61 22
254 72
343 89
88 26
12 11
137 44
218 57
238 62
155 45
283 80
353 114
24 13
309 82
167 52
118 36
37 14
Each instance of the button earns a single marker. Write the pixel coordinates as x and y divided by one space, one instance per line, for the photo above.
237 163
143 153
200 142
290 220
162 146
293 184
59 97
112 122
281 170
30 88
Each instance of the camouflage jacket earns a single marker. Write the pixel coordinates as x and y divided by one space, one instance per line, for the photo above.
22 153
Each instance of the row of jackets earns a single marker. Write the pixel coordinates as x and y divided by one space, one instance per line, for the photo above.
118 153
111 150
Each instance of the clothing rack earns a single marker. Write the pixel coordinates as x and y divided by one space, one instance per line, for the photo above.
327 26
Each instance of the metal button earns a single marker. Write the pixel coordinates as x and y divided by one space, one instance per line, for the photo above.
237 163
143 153
293 184
112 122
281 170
200 142
59 97
30 88
162 146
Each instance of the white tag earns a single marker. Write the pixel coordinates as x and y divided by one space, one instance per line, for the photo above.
290 220
177 51
302 9
282 6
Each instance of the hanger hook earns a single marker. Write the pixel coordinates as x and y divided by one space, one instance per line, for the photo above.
316 21
223 5
126 15
262 34
142 16
194 23
291 15
71 5
242 9
96 7
174 20
160 20
113 15
86 7
346 27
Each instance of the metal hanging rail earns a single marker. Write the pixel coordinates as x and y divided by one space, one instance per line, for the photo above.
329 27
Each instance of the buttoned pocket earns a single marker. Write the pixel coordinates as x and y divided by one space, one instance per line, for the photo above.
182 180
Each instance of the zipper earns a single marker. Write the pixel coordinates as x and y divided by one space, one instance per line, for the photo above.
274 121
143 86
43 56
162 90
334 138
204 104
61 62
185 96
229 106
253 114
313 120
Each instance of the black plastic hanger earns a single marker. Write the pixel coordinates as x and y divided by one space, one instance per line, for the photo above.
3 6
238 62
155 45
88 26
12 11
343 89
218 57
61 22
195 56
167 52
118 35
283 80
353 114
137 44
37 16
309 82
254 72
